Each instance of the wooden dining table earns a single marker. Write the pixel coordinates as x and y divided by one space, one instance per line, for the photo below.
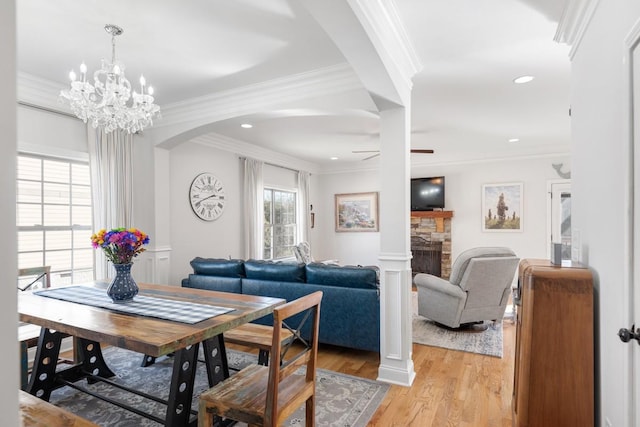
94 327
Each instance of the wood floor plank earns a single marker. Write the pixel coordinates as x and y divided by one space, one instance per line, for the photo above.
452 388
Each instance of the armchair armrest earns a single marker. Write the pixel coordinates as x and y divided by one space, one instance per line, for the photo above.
428 281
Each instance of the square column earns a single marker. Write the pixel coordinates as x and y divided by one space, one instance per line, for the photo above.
396 365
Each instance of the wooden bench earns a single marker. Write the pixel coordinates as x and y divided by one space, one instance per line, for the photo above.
35 412
256 336
248 335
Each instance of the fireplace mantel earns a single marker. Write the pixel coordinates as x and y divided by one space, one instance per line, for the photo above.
432 214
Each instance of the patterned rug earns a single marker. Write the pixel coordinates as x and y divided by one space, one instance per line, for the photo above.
342 400
426 332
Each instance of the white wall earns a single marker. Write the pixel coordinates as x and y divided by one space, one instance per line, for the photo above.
463 196
600 158
53 134
191 236
222 238
349 248
8 256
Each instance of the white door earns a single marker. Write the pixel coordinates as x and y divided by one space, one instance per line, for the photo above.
634 277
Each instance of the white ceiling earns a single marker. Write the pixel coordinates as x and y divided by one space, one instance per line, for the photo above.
465 105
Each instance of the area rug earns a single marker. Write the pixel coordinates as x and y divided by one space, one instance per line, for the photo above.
426 332
342 400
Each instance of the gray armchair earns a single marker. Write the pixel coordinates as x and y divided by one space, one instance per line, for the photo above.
478 289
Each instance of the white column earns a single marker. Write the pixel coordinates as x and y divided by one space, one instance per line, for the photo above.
396 365
8 249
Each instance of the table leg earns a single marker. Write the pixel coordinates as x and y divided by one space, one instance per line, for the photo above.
181 390
215 359
89 355
42 381
24 365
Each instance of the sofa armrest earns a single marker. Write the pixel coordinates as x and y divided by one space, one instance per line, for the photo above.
428 281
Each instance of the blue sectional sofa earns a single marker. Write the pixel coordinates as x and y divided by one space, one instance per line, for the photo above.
350 308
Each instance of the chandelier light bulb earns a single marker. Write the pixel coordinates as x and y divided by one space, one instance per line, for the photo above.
109 101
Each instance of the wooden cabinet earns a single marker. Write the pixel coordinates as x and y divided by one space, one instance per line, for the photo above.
554 365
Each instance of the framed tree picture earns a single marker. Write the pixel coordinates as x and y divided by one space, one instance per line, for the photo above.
357 212
502 207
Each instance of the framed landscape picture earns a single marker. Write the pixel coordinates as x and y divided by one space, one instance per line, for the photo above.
357 212
502 207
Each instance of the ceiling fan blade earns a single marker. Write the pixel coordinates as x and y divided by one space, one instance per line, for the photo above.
420 151
371 157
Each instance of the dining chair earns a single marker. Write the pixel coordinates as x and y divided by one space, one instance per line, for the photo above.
258 337
267 395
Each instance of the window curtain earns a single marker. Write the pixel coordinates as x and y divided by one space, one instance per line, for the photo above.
303 206
110 159
253 209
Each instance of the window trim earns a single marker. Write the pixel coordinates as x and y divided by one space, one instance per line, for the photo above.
48 228
295 224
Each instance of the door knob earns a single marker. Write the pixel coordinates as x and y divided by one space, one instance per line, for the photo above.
627 335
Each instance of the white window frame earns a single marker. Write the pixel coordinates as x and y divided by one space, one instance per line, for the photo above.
294 225
59 276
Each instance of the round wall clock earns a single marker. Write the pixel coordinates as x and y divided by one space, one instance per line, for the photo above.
207 197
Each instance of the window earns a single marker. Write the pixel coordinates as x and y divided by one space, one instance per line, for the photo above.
279 223
54 217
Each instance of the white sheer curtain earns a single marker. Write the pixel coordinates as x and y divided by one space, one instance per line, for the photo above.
110 156
303 206
253 209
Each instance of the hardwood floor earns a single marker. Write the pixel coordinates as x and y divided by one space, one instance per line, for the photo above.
452 388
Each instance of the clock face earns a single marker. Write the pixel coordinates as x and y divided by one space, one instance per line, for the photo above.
206 195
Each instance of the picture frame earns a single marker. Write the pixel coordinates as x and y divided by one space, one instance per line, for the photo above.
356 212
502 207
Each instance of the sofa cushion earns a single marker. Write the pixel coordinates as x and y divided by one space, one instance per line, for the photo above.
214 283
218 267
343 276
275 271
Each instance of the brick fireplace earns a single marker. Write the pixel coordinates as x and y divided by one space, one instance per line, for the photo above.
430 239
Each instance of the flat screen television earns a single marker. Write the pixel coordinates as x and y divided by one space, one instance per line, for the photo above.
427 194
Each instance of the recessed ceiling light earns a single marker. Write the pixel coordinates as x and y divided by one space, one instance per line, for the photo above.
523 79
334 158
246 125
514 140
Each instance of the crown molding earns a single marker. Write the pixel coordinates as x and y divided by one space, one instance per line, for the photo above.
245 149
260 96
575 19
37 91
386 30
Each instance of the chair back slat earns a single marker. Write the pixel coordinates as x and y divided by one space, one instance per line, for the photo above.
27 277
268 395
280 369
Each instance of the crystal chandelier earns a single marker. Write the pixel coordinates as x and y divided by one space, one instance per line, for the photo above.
109 102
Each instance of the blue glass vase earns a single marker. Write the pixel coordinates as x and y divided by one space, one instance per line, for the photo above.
122 288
